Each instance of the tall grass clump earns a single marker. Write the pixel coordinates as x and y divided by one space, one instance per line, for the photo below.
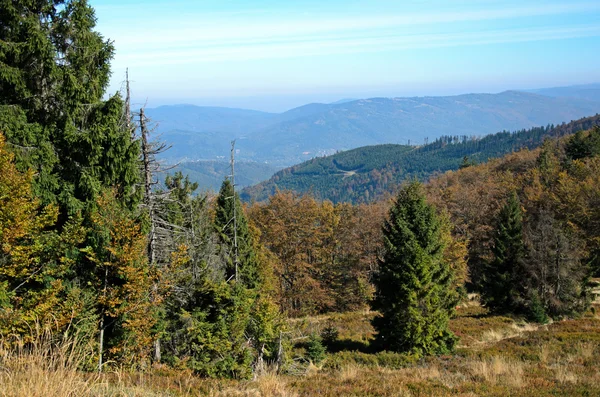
44 366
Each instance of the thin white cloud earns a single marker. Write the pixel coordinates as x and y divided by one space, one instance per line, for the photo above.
225 30
349 45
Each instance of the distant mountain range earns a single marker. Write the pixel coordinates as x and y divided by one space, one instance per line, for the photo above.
586 91
367 173
283 139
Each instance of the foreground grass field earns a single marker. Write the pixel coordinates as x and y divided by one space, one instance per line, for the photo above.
497 356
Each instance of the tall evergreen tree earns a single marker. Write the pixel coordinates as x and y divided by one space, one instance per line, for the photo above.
500 287
414 285
235 231
181 191
123 283
54 70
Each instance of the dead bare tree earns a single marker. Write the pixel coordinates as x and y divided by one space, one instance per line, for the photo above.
235 242
160 235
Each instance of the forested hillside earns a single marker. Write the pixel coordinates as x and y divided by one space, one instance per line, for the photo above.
550 192
365 174
529 209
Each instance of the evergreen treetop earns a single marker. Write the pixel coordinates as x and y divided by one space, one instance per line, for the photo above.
583 145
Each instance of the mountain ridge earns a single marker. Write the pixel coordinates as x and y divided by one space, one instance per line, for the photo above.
317 129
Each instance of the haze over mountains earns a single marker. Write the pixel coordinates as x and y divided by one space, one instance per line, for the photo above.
283 139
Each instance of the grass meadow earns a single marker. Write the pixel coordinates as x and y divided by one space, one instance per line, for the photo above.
496 356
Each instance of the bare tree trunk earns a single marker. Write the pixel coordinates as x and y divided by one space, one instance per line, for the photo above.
148 201
557 268
280 352
157 355
128 106
148 187
235 244
101 344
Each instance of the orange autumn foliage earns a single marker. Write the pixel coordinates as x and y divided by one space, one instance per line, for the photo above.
32 258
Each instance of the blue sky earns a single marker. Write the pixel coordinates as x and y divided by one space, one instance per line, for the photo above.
273 55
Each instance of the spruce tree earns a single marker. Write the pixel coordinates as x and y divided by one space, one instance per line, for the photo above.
500 286
54 71
123 283
206 329
181 200
414 292
225 225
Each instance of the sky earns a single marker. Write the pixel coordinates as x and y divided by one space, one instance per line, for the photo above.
273 55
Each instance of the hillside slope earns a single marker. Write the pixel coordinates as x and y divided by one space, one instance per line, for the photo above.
367 173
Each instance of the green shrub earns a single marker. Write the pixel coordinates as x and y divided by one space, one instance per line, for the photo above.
537 312
315 351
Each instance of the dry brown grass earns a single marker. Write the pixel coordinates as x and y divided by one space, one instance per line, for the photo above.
51 373
586 350
46 367
424 373
498 370
312 369
30 376
564 375
433 373
272 385
349 372
269 384
512 331
42 367
545 352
